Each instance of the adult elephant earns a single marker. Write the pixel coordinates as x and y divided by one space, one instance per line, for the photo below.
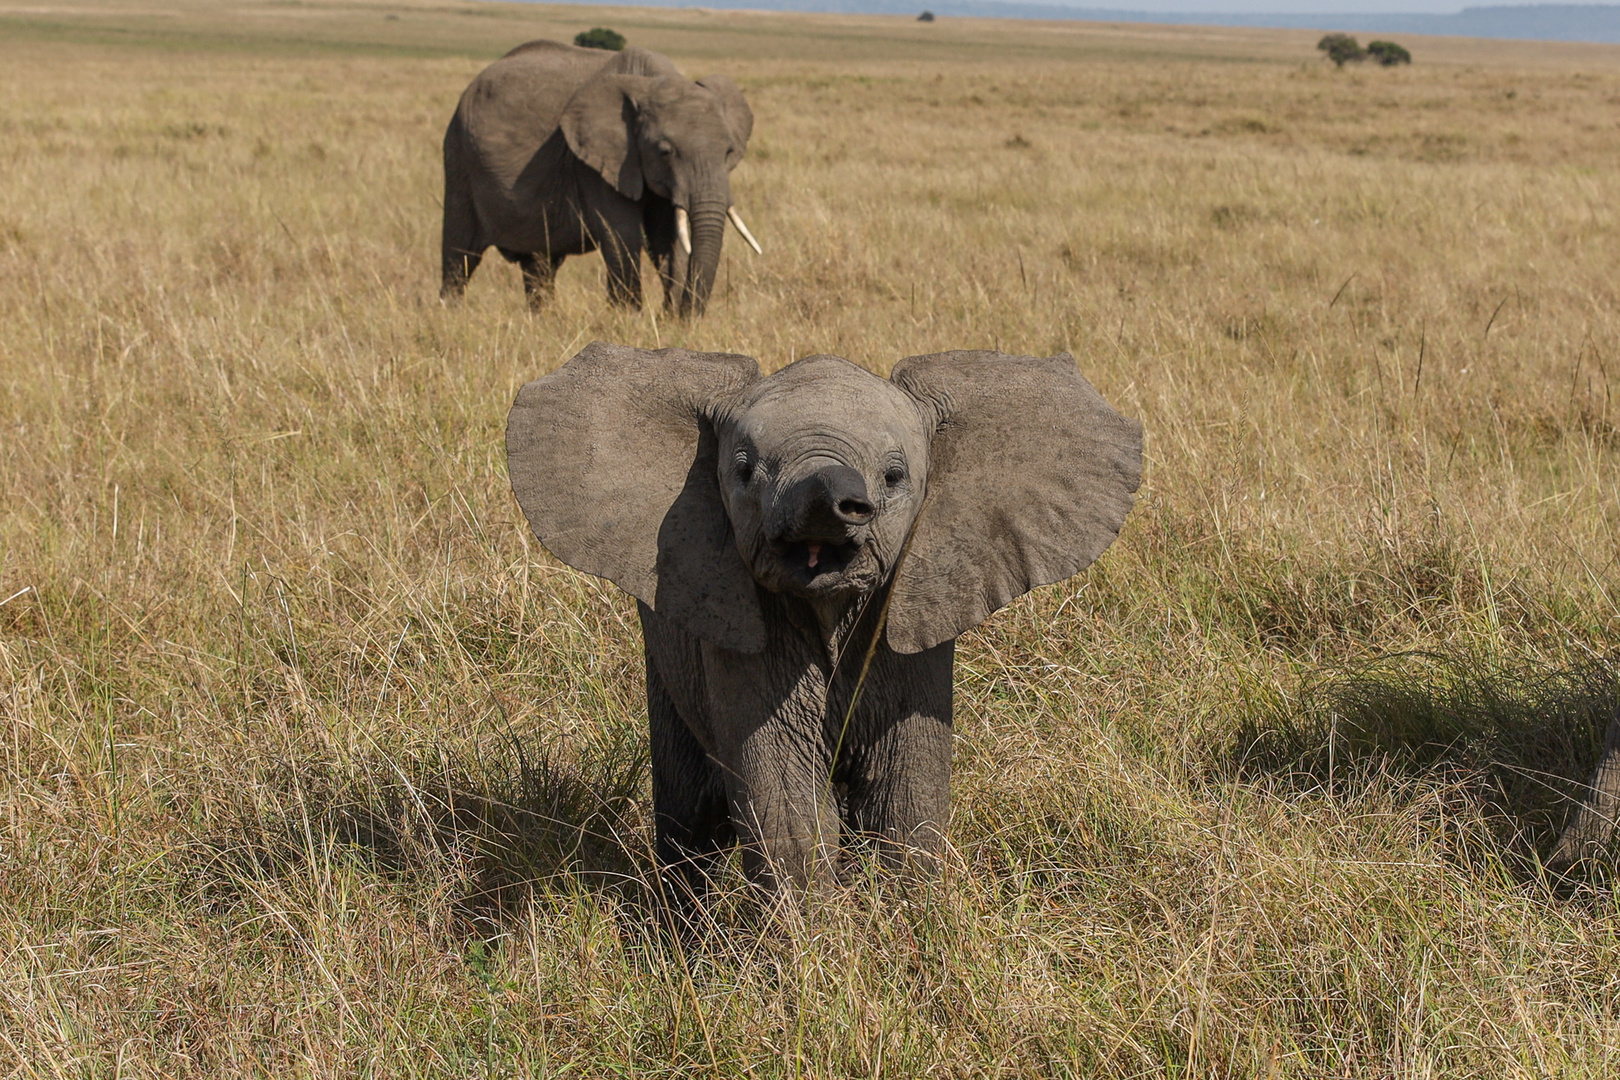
557 151
806 548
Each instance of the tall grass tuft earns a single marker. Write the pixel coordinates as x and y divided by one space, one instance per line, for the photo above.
1521 741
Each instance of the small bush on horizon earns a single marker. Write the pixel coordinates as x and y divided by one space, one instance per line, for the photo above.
926 16
1387 53
1341 49
600 37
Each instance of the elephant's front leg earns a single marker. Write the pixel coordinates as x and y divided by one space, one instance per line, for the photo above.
899 774
616 232
767 735
672 266
781 806
690 810
669 258
900 794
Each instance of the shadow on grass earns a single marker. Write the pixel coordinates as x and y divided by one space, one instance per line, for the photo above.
1521 743
483 833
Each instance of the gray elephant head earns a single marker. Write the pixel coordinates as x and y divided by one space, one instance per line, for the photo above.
966 479
644 126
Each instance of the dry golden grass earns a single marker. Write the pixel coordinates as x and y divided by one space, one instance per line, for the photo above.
314 764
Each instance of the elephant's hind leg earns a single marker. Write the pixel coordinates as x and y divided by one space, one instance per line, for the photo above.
539 277
461 247
690 812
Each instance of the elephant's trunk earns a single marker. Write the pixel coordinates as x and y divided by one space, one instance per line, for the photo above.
707 220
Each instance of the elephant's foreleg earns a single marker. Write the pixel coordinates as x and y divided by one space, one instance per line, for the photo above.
899 793
672 273
899 763
782 809
622 254
461 245
669 259
690 814
539 277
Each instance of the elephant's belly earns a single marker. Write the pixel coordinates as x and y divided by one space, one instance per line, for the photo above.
510 224
533 209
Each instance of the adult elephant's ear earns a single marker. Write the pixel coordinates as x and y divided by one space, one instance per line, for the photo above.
1030 476
599 123
614 459
734 108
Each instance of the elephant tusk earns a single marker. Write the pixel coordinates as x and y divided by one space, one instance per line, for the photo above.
683 229
736 219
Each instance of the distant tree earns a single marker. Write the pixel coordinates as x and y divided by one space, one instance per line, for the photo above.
600 38
1341 49
1388 53
927 16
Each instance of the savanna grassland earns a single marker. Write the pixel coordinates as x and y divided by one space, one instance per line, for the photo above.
314 764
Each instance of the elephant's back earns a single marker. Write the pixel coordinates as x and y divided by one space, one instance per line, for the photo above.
558 51
516 103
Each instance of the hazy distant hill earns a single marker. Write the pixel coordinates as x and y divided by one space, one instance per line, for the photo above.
1544 22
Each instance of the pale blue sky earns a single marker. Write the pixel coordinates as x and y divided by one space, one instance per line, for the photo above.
1530 21
1335 7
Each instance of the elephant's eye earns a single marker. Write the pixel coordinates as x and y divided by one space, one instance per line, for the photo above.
895 476
666 149
745 471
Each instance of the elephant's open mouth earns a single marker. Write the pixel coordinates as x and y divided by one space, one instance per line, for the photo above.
815 559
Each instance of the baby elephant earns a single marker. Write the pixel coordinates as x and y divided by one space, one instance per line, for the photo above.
805 549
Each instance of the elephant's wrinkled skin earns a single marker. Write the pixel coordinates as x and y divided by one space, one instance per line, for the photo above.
556 151
1591 826
770 527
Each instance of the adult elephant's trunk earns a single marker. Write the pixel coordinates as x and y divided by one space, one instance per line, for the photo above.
706 221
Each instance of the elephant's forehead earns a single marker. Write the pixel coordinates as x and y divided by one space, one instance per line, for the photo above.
825 395
675 103
671 90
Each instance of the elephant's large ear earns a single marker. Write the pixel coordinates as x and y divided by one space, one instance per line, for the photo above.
614 460
738 116
1030 476
599 123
